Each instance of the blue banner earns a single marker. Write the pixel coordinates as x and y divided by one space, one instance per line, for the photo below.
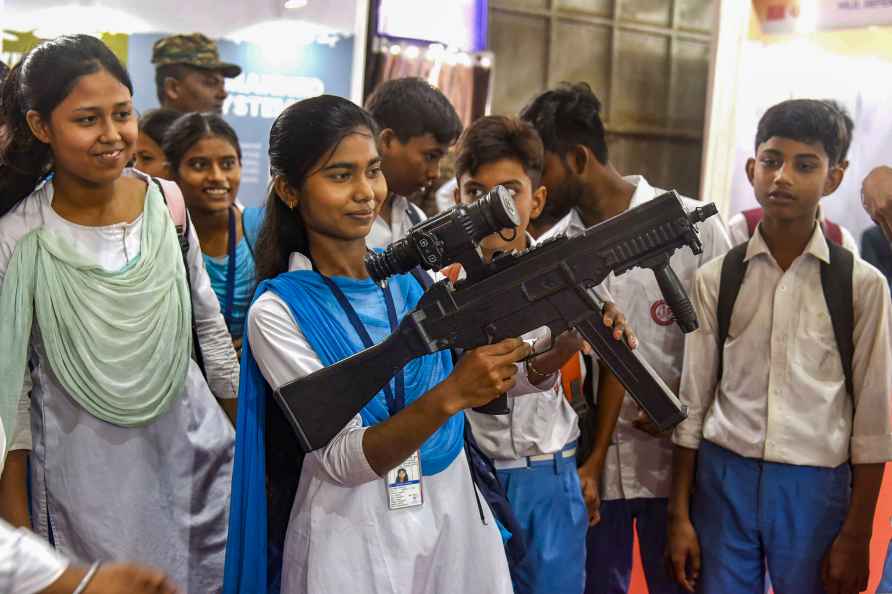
272 77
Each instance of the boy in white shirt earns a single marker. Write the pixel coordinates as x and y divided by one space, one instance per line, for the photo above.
629 468
787 387
533 447
418 125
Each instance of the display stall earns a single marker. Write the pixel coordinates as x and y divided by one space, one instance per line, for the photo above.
442 42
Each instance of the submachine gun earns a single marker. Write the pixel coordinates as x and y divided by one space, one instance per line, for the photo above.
549 284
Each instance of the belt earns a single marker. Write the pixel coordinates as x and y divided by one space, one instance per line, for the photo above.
569 451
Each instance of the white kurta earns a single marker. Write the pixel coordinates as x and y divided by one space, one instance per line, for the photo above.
341 536
157 494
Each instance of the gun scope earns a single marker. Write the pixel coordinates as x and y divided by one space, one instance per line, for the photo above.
446 237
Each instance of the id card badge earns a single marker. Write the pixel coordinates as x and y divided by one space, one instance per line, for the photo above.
404 484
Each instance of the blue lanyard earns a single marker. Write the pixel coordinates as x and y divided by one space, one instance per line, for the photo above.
395 402
230 270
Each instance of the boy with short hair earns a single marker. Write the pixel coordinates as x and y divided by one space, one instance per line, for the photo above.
742 225
628 467
418 125
533 447
787 383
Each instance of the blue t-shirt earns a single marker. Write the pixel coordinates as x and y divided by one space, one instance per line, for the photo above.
245 274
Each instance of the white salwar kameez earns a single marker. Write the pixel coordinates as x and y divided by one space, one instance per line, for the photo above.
156 494
342 538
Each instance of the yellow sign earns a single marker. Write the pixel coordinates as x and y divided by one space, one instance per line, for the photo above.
17 43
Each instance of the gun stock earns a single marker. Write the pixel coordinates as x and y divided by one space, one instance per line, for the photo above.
319 405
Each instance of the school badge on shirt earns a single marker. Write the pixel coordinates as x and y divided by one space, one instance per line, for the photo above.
661 313
404 484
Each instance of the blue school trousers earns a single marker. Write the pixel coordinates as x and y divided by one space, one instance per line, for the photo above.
610 542
749 513
547 502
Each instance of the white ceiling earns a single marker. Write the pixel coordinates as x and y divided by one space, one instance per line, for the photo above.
215 18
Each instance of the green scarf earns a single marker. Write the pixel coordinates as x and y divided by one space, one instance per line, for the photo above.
119 342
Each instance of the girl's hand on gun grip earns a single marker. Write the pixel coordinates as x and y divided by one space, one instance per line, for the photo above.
482 374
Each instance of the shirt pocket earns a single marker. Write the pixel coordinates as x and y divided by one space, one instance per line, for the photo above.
816 351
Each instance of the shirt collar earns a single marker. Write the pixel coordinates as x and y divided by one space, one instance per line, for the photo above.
817 245
572 224
644 192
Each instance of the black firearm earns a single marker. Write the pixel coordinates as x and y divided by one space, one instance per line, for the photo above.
547 285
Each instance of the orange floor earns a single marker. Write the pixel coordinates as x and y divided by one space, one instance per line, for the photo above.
882 532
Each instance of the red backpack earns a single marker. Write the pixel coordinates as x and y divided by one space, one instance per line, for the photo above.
831 230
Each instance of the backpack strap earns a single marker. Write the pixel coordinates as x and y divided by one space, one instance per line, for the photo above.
733 271
832 231
836 281
752 216
173 198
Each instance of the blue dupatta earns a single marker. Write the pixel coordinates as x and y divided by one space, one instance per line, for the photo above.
253 562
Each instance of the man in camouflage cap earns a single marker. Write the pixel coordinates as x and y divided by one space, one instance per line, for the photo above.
189 74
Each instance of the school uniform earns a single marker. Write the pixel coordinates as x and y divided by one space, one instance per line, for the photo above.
777 432
738 230
157 492
383 234
342 536
533 449
234 287
635 484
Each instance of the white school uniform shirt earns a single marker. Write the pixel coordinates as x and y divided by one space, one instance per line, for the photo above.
541 422
341 537
381 235
638 465
739 232
782 395
27 563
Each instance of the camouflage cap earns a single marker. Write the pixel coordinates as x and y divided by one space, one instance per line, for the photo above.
193 50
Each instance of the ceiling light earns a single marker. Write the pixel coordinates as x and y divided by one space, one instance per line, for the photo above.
295 3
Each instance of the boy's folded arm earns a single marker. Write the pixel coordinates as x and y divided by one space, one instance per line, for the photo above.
700 366
871 440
